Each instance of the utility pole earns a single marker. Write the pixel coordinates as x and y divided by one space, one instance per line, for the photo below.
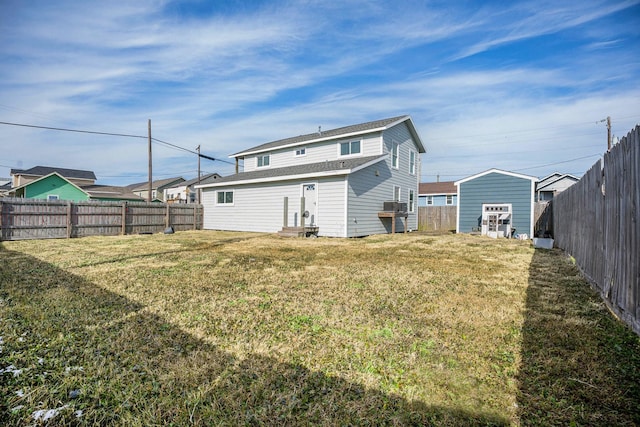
608 133
149 199
198 190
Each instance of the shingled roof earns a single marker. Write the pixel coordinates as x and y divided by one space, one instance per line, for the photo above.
345 131
445 187
46 170
327 167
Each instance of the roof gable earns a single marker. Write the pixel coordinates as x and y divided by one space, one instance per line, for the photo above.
143 186
343 132
46 170
551 182
498 171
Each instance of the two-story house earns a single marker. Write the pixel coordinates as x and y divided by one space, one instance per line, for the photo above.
343 176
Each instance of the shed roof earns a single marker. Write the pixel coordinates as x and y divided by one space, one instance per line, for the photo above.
342 132
326 168
444 187
499 171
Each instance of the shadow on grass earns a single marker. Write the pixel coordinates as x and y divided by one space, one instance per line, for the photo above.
580 366
82 348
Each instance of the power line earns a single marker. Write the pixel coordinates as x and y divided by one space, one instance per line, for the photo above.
116 134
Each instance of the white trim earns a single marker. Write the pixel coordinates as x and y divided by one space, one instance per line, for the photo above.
345 203
458 209
533 204
336 172
517 175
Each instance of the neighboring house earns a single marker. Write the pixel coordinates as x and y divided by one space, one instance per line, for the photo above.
184 192
5 186
496 203
437 194
345 176
553 184
75 176
56 187
141 189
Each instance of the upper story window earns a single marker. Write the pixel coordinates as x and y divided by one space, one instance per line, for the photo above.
264 160
395 154
350 148
412 162
301 151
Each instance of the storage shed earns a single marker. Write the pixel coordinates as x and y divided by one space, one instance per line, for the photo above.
496 203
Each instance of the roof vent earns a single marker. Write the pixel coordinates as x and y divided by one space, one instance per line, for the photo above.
319 130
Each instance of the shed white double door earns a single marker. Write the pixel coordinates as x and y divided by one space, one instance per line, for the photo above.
310 194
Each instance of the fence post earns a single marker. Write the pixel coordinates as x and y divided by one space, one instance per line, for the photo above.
167 216
69 225
1 215
124 218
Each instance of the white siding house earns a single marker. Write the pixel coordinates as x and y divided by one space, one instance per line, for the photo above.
345 175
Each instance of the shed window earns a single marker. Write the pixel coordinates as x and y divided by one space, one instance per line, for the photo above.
449 199
264 160
225 197
429 200
349 148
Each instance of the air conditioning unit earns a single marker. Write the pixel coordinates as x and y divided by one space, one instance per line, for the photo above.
394 207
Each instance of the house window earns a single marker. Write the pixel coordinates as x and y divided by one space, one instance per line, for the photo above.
412 162
349 148
263 160
412 199
225 198
396 193
449 199
301 151
395 154
52 197
429 200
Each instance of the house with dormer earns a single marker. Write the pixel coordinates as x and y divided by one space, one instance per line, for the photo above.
351 181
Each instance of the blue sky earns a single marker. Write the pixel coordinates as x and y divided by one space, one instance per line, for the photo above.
520 86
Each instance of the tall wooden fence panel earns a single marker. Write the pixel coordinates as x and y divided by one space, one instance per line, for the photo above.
597 221
22 219
437 218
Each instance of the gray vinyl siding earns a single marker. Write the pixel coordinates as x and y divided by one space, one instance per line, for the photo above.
317 152
371 187
260 207
495 188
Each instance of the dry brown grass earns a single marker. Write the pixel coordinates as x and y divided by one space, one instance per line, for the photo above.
214 328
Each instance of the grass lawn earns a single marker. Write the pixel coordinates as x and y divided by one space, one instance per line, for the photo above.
216 328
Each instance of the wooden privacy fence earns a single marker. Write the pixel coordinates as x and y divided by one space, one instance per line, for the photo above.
437 218
22 219
597 221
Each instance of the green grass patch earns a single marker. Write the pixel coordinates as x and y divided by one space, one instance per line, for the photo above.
216 328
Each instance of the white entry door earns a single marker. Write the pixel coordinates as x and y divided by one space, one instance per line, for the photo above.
310 194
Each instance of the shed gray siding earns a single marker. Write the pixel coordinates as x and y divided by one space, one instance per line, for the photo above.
495 188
